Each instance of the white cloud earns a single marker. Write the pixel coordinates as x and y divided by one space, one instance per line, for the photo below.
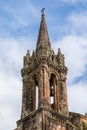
73 1
18 17
78 23
77 97
74 44
10 95
12 52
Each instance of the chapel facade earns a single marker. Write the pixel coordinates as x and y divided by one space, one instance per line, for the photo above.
44 93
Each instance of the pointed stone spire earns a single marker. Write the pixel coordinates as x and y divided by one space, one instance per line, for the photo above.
43 46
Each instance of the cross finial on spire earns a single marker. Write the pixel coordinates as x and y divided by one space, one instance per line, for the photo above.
42 11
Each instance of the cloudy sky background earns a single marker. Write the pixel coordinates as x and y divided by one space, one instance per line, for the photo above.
19 24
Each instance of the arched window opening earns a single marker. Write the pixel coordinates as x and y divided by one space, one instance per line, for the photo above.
36 92
52 91
36 97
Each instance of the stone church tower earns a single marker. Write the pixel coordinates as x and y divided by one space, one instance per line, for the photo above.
44 94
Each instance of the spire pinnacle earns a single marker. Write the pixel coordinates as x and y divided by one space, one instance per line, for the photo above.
43 43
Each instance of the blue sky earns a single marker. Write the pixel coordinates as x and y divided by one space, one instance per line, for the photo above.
19 25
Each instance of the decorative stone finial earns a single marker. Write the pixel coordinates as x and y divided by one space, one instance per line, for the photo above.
28 52
59 50
86 114
42 11
33 54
